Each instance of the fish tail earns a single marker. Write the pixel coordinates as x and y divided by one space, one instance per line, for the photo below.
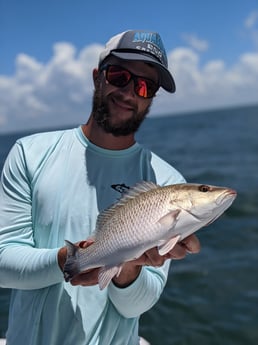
71 267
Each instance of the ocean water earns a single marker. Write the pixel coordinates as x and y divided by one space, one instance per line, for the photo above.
210 298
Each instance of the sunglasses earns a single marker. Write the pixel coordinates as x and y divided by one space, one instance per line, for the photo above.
120 77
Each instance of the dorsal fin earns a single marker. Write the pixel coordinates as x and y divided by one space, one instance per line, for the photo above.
139 188
133 192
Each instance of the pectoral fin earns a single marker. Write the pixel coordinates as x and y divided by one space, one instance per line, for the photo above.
170 219
166 247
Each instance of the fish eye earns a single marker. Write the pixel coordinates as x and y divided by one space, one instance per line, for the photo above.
204 188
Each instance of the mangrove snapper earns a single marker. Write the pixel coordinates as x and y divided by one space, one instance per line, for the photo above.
146 216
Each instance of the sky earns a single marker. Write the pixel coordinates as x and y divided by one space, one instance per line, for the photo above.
48 49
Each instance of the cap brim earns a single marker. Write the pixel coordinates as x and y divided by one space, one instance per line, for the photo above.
166 79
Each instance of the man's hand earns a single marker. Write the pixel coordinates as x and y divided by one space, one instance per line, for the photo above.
86 278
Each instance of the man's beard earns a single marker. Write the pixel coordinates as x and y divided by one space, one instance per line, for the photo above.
102 116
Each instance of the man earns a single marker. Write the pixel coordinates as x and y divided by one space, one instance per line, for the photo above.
53 187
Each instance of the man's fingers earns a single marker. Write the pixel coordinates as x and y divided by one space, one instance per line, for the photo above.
85 244
87 278
191 244
177 253
151 258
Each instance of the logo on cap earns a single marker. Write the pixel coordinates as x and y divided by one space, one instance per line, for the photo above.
151 43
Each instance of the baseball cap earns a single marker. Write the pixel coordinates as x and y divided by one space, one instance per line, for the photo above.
138 45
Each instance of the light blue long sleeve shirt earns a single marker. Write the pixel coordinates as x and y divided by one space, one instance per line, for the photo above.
53 186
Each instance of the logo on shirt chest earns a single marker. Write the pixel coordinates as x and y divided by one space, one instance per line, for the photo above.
121 188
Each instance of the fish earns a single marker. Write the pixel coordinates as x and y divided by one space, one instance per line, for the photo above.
146 216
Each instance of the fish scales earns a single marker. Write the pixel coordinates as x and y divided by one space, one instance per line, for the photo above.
127 221
126 228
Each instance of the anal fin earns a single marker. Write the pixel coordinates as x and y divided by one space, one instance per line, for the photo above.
169 245
106 274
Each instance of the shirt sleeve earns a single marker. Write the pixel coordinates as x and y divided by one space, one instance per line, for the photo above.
22 265
142 294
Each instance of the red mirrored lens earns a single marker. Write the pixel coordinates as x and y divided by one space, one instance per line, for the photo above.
142 88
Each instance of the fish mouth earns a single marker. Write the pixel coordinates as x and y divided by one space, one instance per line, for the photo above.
226 199
228 196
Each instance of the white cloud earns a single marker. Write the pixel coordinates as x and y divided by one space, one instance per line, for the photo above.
251 20
56 93
195 42
59 92
251 26
213 85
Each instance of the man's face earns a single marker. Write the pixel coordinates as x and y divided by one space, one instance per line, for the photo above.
119 110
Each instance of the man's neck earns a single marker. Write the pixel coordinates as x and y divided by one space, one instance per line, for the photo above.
99 137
